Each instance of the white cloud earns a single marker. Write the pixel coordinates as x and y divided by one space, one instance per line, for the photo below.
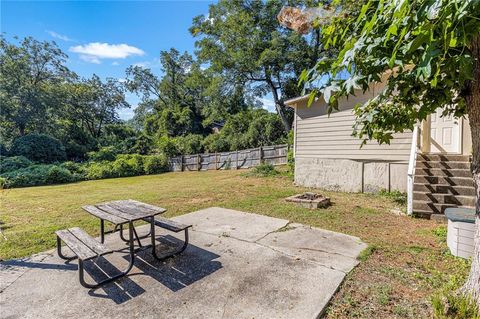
58 36
115 63
94 52
268 104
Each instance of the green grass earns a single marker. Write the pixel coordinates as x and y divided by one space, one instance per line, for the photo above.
407 261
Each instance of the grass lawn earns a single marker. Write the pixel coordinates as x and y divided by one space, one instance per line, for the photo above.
406 264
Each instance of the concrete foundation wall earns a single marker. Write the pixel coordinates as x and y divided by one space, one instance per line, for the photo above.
350 175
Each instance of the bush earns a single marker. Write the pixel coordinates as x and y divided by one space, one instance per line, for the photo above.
107 153
3 150
39 148
3 182
31 176
155 164
128 165
189 144
74 168
13 163
100 170
215 143
40 174
58 175
263 170
167 146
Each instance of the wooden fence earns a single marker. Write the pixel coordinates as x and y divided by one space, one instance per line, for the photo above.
275 155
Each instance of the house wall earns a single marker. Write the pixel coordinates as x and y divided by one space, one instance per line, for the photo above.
327 156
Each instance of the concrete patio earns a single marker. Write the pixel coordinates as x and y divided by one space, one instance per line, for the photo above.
238 265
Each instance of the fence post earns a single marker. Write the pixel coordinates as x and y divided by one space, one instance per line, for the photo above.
236 165
181 163
198 162
260 151
216 161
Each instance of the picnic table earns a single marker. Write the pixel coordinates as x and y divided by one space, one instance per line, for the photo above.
118 213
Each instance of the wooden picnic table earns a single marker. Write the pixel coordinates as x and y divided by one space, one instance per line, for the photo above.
119 213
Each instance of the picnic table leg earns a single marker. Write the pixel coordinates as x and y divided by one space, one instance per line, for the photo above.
59 251
122 237
102 231
176 252
122 274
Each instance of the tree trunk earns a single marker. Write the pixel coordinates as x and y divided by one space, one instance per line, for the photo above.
280 107
472 98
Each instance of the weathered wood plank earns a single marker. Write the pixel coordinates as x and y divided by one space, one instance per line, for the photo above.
78 247
134 211
170 224
116 212
156 209
104 215
94 245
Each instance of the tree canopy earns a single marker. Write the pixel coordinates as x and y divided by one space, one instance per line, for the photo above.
244 39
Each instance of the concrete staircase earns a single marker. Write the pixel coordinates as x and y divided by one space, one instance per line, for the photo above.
442 181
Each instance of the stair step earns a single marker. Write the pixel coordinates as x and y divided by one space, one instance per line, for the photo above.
444 189
435 180
443 165
428 206
441 218
444 157
445 198
443 172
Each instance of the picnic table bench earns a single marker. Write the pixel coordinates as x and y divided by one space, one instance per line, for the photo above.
119 213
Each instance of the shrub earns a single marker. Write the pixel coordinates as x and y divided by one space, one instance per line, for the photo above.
155 164
29 176
39 148
189 144
143 144
40 174
167 146
263 170
215 143
58 175
3 182
100 170
107 153
13 163
3 150
128 165
74 168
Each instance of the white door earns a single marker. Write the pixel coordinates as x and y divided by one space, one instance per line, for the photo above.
444 133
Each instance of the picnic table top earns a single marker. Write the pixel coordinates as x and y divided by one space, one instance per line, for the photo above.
123 211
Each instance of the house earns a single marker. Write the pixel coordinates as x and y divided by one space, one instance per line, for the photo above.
431 164
217 126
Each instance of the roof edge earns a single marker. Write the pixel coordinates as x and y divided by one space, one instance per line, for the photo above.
291 102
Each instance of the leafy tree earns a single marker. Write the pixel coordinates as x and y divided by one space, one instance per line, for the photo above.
243 39
39 148
427 53
93 103
186 99
28 73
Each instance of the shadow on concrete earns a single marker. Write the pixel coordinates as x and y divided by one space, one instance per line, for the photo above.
174 273
15 263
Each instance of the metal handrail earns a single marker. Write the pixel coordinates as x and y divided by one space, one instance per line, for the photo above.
411 169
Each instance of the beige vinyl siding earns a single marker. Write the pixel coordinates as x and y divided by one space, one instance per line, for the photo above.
320 136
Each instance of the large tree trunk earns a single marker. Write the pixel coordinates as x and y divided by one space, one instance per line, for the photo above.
472 286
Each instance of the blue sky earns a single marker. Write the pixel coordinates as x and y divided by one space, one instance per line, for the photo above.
105 37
